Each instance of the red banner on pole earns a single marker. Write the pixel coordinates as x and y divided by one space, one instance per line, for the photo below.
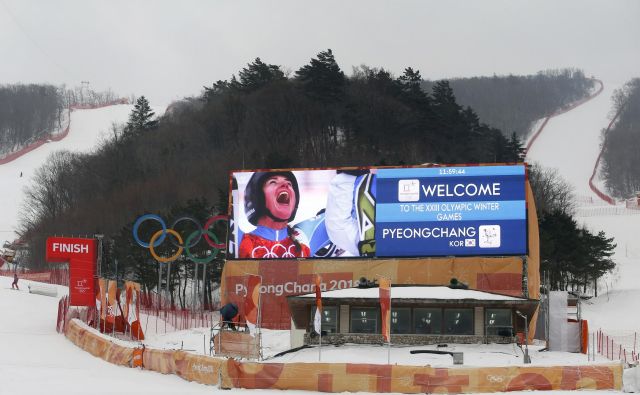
102 283
385 307
132 309
252 300
112 304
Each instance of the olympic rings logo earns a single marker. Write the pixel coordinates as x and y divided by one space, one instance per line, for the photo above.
192 239
277 251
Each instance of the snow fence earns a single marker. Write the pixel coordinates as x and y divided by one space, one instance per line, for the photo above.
340 377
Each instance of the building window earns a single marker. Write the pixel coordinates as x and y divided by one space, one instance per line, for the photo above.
400 320
458 321
364 320
329 318
498 322
427 321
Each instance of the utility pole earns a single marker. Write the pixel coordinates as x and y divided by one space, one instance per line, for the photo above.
527 359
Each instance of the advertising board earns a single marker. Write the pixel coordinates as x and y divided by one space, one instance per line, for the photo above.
379 212
472 210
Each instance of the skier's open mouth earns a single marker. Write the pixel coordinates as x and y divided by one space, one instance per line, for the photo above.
283 197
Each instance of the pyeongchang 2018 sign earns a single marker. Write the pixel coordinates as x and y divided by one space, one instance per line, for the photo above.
81 253
442 211
378 212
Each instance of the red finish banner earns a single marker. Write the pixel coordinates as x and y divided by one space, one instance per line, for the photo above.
385 307
81 254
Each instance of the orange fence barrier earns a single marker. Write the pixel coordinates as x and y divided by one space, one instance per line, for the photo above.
90 340
340 377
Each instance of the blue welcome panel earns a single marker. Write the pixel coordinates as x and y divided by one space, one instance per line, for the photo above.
451 211
451 238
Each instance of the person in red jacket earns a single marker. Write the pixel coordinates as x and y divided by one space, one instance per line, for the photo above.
271 202
15 282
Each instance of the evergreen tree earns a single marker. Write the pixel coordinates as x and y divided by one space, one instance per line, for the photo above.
411 84
559 248
140 118
518 152
322 78
573 256
218 88
257 75
444 99
598 262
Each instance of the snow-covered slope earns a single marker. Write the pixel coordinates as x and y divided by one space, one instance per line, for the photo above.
35 359
88 128
570 143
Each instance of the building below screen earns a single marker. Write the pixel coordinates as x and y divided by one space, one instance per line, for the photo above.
419 315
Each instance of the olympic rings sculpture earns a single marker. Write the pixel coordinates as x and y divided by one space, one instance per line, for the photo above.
192 239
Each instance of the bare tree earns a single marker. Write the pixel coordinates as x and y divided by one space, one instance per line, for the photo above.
551 191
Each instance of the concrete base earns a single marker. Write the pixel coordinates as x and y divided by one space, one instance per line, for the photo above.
409 340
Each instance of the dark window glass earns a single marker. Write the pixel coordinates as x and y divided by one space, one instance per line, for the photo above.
364 320
458 321
329 318
400 320
427 321
498 322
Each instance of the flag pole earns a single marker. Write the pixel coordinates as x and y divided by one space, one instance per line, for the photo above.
389 342
318 315
385 285
320 343
259 322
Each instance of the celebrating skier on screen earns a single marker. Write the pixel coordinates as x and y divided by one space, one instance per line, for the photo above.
271 202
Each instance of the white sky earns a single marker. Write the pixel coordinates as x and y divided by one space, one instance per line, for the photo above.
167 50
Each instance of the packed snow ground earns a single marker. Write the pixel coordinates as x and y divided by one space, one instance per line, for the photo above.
34 358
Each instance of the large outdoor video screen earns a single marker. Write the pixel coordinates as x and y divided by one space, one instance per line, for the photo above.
379 212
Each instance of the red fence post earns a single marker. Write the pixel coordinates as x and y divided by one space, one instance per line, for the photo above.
620 352
612 350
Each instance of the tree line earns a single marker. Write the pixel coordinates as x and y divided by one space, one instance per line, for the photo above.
28 112
261 118
514 103
573 257
621 167
32 111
